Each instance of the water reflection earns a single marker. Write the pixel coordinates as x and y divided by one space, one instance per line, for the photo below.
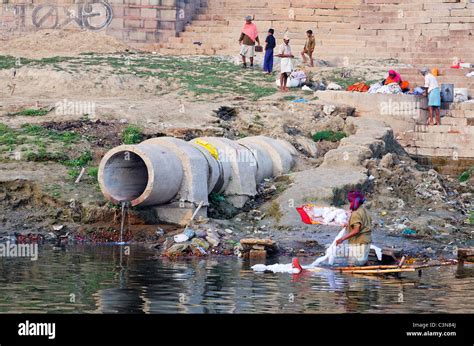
105 279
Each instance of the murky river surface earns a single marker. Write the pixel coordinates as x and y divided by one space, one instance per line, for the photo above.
95 279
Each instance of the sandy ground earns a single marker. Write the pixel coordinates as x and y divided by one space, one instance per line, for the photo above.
48 43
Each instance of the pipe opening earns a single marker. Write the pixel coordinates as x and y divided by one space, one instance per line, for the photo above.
125 176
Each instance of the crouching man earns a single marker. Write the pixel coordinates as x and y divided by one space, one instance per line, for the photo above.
358 235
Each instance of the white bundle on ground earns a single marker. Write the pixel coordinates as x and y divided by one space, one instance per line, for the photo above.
392 88
326 215
276 268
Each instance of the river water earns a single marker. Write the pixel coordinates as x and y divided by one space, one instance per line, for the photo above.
96 279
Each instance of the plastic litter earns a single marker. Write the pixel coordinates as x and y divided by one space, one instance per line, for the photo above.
461 94
189 233
300 100
408 231
180 238
334 86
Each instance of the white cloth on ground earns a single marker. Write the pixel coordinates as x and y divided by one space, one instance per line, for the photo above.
299 75
327 215
392 88
374 87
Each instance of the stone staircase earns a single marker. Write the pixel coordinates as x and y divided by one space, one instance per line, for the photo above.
429 32
448 147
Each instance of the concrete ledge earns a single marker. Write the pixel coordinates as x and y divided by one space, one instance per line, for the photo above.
401 111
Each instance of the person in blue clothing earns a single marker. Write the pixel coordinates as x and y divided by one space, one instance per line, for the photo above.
270 44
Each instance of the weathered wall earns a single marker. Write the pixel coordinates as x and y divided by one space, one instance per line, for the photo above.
128 20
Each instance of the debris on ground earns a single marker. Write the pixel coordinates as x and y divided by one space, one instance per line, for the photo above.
226 113
254 248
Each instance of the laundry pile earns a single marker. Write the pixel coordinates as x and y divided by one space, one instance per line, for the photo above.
295 80
311 214
379 88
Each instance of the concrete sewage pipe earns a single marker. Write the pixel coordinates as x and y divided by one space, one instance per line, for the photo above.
173 176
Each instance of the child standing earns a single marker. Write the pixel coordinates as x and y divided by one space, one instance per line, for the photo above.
309 48
270 44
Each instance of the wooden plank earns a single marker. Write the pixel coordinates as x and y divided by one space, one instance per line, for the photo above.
367 267
380 271
466 254
256 241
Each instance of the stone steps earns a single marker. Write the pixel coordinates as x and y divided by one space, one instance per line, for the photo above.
420 32
440 152
441 137
447 126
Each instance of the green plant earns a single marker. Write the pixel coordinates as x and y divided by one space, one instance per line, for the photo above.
30 112
32 129
289 97
93 172
67 137
81 161
470 218
275 211
466 175
43 155
76 165
328 135
132 134
8 137
216 197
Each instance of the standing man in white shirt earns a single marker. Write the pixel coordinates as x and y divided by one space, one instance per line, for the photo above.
286 62
434 95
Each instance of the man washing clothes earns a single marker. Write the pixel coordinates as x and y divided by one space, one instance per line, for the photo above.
359 234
